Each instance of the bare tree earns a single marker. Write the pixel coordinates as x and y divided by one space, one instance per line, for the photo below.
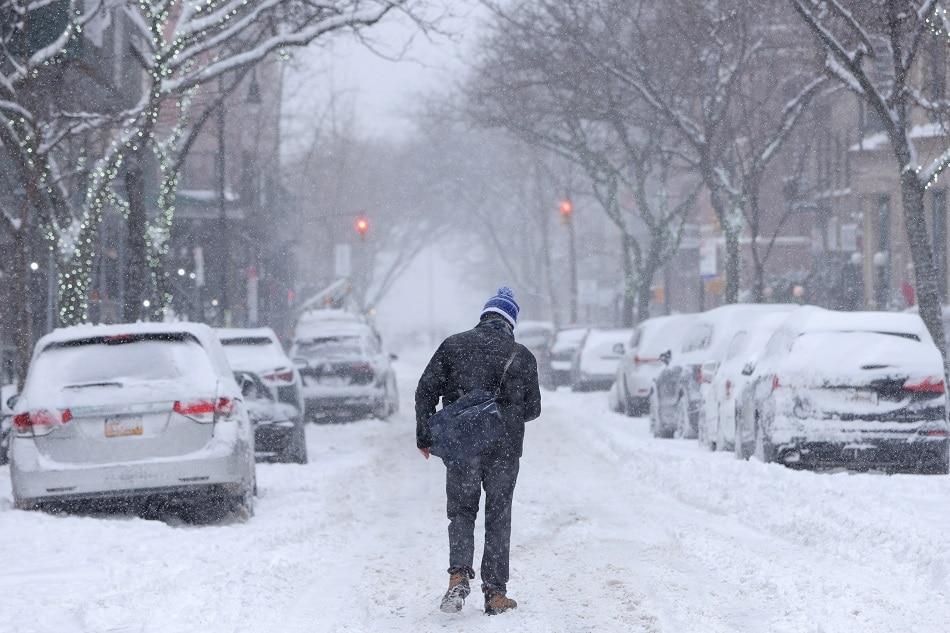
687 61
875 48
534 81
180 47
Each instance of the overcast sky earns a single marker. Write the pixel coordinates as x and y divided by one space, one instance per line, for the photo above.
381 91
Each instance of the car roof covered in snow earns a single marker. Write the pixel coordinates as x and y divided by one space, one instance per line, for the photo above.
328 314
231 333
204 334
815 319
612 335
333 328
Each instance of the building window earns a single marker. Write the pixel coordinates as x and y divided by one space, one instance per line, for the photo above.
940 241
882 258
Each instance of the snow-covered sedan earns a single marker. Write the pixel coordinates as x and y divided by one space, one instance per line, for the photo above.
595 364
676 401
272 396
563 347
345 372
641 362
727 380
130 416
848 389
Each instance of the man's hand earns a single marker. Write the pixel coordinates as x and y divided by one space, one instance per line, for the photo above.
425 452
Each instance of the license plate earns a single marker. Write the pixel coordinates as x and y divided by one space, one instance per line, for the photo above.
866 397
334 381
119 427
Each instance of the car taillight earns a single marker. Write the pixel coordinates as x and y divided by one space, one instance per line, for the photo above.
205 410
927 385
279 376
775 383
728 387
643 361
40 422
698 373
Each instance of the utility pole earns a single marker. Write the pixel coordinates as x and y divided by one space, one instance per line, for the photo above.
567 218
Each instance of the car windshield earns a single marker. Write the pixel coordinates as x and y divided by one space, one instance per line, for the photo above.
119 360
330 346
252 351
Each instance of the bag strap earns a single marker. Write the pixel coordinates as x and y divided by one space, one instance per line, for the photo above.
504 372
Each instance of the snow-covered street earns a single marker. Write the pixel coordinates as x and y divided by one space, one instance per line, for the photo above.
613 531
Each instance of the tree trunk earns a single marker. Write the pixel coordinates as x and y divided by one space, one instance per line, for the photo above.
632 285
136 275
19 297
928 297
732 265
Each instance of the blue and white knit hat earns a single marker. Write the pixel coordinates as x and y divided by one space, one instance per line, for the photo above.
504 304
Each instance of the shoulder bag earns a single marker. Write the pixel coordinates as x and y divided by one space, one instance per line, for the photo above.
470 425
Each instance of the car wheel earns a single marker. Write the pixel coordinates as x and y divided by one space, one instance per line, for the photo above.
684 426
656 422
935 465
703 434
243 504
764 450
297 451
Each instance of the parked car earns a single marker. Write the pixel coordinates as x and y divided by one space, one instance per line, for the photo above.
345 372
848 389
273 398
565 344
132 415
537 337
640 364
717 427
676 401
595 364
6 422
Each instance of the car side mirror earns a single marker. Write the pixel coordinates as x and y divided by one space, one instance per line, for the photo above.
300 362
666 357
708 370
12 400
748 368
393 357
245 382
618 349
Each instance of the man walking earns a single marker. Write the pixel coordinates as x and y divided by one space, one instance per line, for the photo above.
476 359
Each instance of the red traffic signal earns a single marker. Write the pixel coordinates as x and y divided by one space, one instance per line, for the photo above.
567 212
362 225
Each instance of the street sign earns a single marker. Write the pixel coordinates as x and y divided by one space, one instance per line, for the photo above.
199 266
707 258
342 263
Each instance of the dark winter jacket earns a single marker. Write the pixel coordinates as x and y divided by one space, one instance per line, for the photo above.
475 359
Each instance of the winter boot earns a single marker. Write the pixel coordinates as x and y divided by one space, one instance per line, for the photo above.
496 603
458 591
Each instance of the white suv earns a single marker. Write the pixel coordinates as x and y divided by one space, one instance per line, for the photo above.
132 415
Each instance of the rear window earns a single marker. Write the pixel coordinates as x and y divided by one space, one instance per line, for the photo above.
120 360
330 346
852 344
253 350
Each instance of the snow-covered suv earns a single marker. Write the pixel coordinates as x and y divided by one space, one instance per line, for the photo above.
132 415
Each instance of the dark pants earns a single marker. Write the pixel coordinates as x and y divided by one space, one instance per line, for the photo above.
497 472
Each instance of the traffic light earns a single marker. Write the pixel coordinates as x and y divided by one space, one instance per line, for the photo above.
567 210
362 225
